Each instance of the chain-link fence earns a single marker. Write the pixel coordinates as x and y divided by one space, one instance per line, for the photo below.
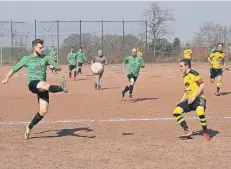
116 38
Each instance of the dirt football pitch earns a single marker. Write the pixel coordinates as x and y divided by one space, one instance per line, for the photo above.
88 129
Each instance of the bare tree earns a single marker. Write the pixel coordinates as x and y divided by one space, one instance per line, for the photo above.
157 18
211 33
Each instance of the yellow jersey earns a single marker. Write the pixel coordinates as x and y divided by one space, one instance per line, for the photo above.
187 53
192 82
217 59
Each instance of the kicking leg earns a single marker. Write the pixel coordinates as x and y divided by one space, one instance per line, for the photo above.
44 86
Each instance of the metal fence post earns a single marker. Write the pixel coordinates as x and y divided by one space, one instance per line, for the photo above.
12 40
35 29
58 57
123 53
102 34
146 36
80 33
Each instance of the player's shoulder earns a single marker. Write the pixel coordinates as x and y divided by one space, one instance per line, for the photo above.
194 72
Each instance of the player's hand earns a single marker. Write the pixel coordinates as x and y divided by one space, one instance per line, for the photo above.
190 101
5 81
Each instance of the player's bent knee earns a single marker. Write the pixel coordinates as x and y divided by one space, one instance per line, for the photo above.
200 110
43 86
177 111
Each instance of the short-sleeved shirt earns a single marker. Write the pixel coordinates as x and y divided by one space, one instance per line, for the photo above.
72 57
36 66
217 58
100 59
134 63
187 53
81 57
192 82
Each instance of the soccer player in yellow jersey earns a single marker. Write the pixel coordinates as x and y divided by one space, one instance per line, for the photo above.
217 62
192 100
188 53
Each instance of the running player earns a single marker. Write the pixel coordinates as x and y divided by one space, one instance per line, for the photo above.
72 59
99 59
188 54
193 99
36 65
53 55
134 63
217 62
80 60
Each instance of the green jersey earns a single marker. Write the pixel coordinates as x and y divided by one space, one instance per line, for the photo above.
53 54
72 58
134 63
36 66
81 57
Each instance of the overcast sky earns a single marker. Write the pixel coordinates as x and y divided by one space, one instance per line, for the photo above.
189 15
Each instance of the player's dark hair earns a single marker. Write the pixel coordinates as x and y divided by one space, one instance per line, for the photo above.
37 41
80 47
186 62
187 44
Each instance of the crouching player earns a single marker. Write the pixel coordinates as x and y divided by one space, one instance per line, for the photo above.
193 99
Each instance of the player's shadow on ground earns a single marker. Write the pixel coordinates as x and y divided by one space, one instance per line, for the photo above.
111 88
143 99
225 93
66 132
212 133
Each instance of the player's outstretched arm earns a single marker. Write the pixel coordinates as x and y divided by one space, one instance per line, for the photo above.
9 74
15 69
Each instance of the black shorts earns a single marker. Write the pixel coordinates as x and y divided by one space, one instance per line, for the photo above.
130 76
199 101
215 72
41 95
71 67
80 65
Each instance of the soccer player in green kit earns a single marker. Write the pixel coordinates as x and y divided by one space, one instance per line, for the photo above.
134 63
36 66
80 60
53 55
72 59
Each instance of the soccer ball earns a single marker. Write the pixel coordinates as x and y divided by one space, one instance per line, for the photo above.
97 68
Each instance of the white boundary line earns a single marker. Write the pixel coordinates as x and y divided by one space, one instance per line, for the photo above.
110 120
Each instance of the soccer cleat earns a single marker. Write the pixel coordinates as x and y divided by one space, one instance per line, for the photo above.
99 87
206 136
95 86
218 94
27 133
187 135
64 86
130 96
123 94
